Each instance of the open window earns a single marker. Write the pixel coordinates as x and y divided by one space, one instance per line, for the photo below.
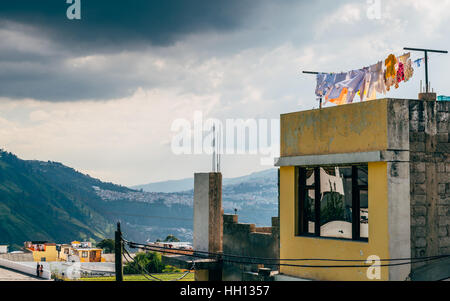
332 202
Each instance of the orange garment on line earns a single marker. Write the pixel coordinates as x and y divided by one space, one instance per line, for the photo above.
339 100
390 72
390 66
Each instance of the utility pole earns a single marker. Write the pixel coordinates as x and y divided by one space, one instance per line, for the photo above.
427 83
118 253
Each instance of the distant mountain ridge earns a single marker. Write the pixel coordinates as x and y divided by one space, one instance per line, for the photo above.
188 183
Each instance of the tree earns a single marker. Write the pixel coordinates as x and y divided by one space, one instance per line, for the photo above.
171 238
151 261
108 245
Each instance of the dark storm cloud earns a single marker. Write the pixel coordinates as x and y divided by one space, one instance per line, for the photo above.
112 23
37 39
42 53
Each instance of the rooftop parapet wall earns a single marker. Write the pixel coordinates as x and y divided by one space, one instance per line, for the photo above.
376 125
430 178
248 240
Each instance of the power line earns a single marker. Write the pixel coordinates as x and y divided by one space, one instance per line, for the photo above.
288 259
141 267
176 251
296 265
149 274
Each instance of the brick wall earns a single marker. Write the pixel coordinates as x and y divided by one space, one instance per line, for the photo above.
429 178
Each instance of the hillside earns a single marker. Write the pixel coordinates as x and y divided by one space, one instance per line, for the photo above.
255 196
48 201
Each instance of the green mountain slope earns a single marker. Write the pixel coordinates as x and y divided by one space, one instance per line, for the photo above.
48 201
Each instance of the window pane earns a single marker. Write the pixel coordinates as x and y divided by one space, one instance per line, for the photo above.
336 202
364 214
362 175
309 201
309 176
309 210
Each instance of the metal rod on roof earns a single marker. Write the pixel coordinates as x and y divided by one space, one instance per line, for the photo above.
427 85
314 72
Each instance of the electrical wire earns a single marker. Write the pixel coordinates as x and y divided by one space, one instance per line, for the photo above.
141 267
221 257
149 274
302 266
294 259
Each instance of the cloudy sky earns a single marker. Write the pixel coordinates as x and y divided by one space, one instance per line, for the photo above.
100 94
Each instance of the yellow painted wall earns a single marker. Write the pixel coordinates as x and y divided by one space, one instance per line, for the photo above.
308 247
98 255
50 254
357 127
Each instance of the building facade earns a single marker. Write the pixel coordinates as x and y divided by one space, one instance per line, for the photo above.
365 179
42 250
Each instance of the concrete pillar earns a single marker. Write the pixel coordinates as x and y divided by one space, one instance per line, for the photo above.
208 228
427 96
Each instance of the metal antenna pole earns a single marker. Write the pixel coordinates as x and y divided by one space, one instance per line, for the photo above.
214 149
427 84
219 146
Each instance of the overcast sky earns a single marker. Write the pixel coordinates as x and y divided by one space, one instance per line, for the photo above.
100 94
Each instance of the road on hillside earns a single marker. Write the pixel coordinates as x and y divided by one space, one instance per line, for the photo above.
10 275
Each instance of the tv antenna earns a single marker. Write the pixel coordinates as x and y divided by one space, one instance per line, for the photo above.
216 149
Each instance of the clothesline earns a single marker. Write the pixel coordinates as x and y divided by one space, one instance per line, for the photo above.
341 88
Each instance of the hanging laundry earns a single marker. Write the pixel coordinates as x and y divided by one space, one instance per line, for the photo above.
404 58
346 86
336 93
374 82
419 61
390 72
390 63
400 74
341 88
325 82
409 71
353 83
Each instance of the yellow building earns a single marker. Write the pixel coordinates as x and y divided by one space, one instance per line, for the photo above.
76 251
344 189
80 252
42 250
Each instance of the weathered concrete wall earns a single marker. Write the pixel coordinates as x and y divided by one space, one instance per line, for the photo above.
24 268
208 212
429 178
207 218
357 127
398 187
248 240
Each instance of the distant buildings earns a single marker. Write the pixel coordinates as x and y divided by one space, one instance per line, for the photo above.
3 249
42 250
179 247
74 252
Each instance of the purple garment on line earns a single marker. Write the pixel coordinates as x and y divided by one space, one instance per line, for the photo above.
336 90
325 82
353 83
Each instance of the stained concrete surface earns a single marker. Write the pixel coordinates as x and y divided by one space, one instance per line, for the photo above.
10 275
